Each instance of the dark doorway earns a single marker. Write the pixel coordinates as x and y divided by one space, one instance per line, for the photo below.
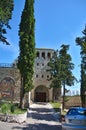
40 97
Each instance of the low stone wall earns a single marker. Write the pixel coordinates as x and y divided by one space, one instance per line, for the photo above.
19 118
73 101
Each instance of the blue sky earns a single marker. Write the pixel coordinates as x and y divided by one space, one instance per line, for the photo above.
57 22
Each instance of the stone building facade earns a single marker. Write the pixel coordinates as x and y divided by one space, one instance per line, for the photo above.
42 91
10 83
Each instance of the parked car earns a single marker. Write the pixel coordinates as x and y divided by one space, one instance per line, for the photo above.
75 119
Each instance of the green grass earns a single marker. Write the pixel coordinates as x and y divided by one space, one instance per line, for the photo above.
19 111
56 106
9 108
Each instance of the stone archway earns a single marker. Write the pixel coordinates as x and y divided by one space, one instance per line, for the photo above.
41 94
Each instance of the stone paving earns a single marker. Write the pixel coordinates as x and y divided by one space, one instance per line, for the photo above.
40 117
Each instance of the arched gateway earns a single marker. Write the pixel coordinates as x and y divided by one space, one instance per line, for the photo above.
41 94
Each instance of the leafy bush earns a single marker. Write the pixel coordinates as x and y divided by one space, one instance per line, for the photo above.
10 108
5 108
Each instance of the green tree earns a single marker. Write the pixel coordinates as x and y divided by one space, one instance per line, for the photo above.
81 41
27 48
54 67
67 66
6 8
61 67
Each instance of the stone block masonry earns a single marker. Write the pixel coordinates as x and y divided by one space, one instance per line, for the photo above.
10 84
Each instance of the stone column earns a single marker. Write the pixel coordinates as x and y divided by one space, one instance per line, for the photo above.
50 94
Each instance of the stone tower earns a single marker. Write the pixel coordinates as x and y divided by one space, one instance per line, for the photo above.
42 91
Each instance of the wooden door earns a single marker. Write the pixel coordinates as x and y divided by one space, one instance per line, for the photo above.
40 97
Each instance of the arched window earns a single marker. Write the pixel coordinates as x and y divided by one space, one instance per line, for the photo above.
43 55
38 54
48 55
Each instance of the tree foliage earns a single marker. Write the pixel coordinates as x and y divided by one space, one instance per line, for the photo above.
27 46
66 66
6 8
54 65
81 41
61 67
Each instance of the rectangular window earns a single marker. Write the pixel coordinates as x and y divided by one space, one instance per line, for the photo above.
37 64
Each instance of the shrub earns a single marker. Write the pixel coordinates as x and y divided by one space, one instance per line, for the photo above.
5 108
12 109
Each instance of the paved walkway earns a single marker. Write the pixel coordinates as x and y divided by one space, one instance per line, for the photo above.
40 117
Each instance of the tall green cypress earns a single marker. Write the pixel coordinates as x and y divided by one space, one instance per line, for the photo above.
27 47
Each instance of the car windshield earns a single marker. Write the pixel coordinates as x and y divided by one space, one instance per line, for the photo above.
74 111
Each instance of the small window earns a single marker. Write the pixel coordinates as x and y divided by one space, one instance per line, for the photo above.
42 76
47 76
43 64
37 64
37 76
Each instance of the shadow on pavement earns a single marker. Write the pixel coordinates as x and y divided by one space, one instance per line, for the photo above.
42 109
39 127
42 116
17 128
44 120
42 127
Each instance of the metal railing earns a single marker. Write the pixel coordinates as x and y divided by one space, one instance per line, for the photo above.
7 65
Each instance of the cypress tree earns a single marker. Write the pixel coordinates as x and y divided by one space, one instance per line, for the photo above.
27 48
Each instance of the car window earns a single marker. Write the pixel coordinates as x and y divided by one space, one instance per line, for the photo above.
76 112
82 112
72 112
85 112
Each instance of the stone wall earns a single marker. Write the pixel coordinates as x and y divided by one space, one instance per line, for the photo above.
10 81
